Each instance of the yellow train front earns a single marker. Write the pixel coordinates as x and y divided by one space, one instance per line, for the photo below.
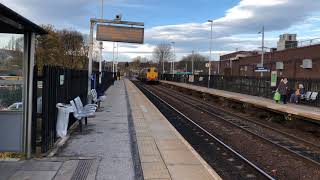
149 75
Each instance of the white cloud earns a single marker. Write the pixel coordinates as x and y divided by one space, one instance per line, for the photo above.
240 25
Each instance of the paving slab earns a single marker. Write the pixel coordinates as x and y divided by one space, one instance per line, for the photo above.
67 170
34 165
33 175
194 172
7 169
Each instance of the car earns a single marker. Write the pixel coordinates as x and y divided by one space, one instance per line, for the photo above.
15 107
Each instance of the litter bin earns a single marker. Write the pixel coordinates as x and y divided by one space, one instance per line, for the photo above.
63 119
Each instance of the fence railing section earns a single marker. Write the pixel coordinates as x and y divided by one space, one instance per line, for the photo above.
58 85
246 85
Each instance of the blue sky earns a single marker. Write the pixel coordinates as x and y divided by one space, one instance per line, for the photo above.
236 22
164 12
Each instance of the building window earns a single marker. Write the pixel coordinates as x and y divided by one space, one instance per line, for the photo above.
11 72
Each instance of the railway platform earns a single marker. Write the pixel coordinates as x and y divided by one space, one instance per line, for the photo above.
164 154
129 139
299 111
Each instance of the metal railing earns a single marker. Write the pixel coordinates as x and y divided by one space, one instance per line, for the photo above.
58 85
255 86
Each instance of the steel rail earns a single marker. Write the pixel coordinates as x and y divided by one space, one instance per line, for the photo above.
214 137
249 120
255 134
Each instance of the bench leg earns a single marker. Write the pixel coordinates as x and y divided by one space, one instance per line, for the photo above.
86 121
80 125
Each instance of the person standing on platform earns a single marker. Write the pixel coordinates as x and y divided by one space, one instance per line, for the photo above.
283 90
114 76
118 75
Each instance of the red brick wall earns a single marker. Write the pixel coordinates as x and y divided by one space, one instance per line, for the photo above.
292 59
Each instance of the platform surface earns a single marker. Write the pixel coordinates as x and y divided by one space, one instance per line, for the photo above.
107 136
293 109
163 152
101 152
129 139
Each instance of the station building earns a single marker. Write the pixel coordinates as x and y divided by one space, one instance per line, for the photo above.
287 59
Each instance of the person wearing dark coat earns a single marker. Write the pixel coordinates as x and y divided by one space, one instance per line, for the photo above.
283 90
114 76
118 75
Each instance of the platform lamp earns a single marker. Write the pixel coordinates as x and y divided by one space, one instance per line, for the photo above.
262 49
174 57
209 73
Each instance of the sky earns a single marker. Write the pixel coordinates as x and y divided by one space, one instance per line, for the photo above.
236 23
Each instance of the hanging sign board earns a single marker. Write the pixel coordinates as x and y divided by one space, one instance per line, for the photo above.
120 34
274 77
261 69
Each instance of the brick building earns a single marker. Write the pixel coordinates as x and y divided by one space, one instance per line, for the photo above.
298 63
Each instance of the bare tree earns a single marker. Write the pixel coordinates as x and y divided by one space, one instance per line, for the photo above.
162 54
135 64
65 48
198 63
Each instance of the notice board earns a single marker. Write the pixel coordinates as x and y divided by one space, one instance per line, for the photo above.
120 34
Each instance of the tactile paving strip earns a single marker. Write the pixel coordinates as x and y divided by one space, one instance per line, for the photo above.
82 170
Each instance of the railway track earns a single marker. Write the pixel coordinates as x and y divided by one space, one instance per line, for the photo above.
225 160
285 150
293 144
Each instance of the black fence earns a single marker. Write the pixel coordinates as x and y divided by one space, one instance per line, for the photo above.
58 85
255 86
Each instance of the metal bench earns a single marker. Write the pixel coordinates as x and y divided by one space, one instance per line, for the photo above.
79 115
95 97
87 107
306 96
313 97
309 97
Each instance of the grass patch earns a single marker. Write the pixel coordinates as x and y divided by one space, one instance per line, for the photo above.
6 155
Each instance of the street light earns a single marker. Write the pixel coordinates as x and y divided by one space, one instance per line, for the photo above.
100 61
113 65
174 54
192 63
262 48
211 22
117 57
100 47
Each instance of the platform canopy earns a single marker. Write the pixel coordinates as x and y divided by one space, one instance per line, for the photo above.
12 22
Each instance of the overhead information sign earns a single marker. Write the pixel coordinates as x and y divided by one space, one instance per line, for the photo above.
120 34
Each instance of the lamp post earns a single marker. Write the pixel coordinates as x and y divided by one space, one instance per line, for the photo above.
113 61
117 57
174 57
209 77
100 61
90 54
163 66
192 59
100 47
262 49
